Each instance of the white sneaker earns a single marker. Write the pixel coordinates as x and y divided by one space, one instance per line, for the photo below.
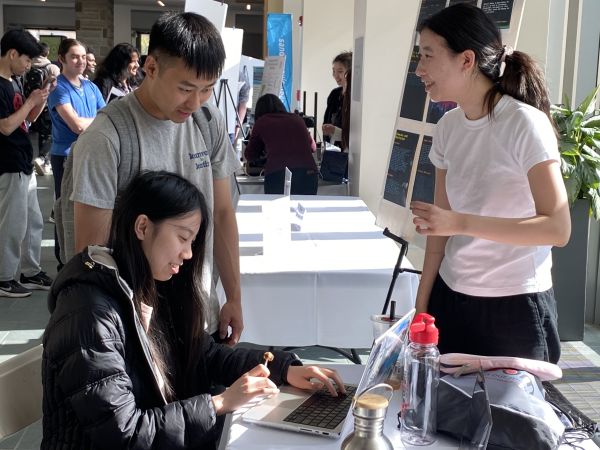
38 163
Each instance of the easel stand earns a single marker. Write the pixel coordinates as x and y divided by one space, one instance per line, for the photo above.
225 91
397 268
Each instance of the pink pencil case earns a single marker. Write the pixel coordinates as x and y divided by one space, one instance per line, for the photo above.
461 363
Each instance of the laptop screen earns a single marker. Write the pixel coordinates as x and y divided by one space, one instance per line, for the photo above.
384 354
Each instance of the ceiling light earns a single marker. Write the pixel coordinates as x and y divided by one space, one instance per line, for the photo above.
248 7
160 3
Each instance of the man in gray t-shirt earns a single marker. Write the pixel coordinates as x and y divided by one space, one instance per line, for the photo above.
181 69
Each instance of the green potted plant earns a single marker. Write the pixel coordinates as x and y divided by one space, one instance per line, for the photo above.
579 145
575 268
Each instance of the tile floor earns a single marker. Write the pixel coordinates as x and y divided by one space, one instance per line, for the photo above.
22 322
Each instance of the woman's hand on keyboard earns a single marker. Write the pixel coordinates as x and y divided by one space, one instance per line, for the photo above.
313 377
251 384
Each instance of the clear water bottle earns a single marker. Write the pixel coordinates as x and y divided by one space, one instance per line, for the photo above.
421 378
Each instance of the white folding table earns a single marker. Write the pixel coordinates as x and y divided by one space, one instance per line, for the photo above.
238 434
318 285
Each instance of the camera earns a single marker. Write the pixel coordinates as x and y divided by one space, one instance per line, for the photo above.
309 121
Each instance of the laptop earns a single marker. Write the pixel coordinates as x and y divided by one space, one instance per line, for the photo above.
318 412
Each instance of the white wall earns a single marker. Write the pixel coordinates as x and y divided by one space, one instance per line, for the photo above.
587 64
533 35
581 55
534 29
543 36
557 42
388 31
327 31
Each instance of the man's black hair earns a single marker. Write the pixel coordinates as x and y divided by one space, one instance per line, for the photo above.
22 41
191 37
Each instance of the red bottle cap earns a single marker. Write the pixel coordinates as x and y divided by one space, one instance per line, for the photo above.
423 330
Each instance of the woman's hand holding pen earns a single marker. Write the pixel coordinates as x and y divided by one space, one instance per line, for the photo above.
252 384
431 220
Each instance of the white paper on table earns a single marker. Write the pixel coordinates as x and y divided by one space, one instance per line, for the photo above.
276 229
331 147
297 217
287 186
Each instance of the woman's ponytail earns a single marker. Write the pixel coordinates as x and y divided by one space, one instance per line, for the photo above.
520 77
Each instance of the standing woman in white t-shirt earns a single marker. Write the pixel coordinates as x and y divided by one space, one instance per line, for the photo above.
500 201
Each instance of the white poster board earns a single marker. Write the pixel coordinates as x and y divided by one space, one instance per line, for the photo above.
212 10
410 174
272 76
248 64
227 100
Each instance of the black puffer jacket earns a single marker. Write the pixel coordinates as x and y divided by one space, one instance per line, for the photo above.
100 390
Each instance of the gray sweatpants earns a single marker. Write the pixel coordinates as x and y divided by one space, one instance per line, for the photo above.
21 226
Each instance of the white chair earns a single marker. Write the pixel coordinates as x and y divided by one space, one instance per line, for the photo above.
20 391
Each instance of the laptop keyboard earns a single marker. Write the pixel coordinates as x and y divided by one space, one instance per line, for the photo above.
322 409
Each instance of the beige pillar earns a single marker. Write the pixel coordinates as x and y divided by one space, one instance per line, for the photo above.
270 6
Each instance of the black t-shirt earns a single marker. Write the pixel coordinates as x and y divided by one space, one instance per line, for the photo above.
16 152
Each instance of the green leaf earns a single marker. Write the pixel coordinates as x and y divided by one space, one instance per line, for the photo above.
595 203
566 167
579 145
590 156
559 112
575 123
592 122
588 177
573 186
588 105
588 143
569 147
561 123
588 130
569 151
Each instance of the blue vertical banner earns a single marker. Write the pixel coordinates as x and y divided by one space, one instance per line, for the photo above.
279 43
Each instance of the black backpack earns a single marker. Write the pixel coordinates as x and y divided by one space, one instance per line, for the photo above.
34 79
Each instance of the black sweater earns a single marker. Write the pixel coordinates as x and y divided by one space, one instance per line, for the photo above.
100 389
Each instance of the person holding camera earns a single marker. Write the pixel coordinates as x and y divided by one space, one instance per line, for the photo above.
21 220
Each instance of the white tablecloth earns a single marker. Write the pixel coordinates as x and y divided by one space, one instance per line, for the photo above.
319 285
239 435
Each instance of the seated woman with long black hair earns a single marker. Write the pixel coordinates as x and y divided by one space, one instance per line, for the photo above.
126 361
285 141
